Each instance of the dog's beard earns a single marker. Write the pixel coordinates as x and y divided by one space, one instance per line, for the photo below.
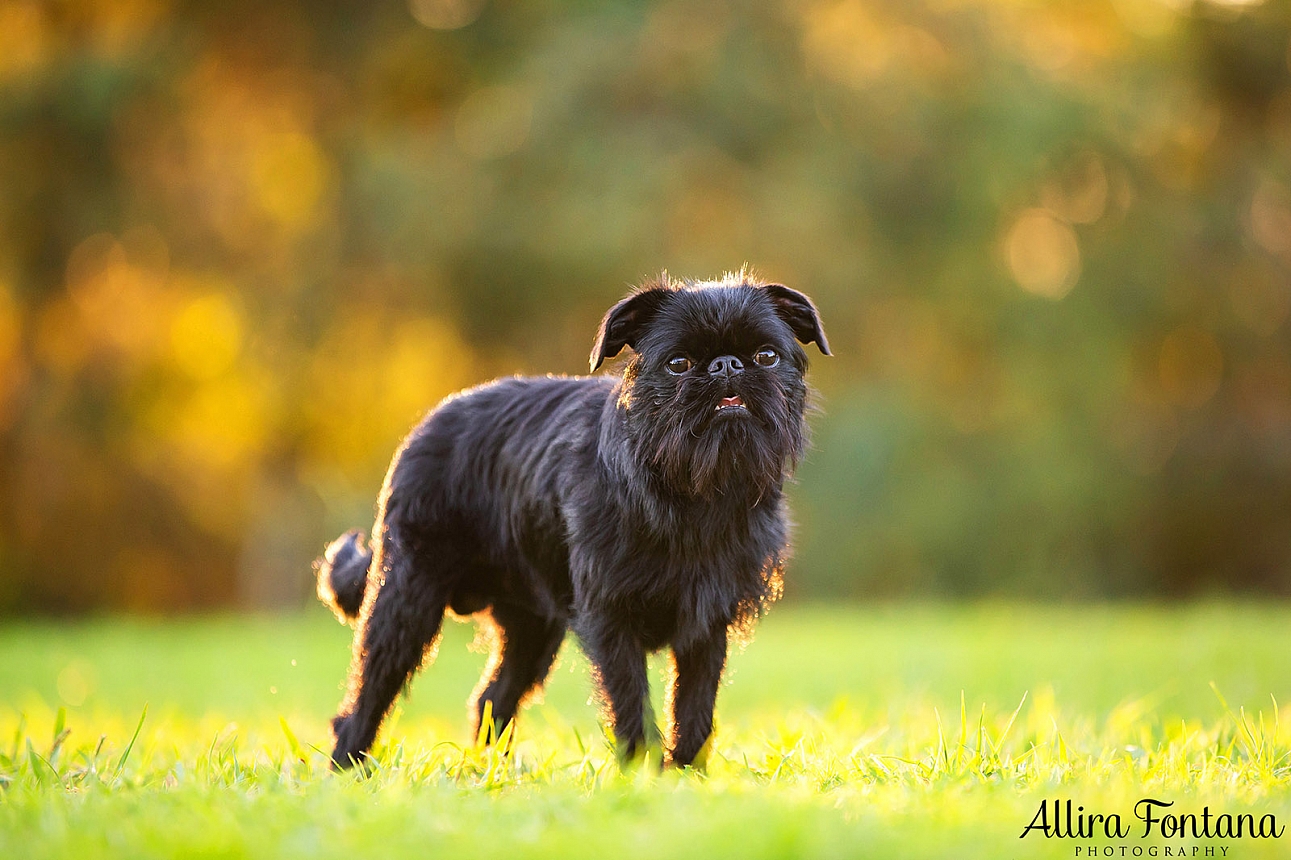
700 450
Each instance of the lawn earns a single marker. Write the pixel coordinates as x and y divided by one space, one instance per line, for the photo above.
904 731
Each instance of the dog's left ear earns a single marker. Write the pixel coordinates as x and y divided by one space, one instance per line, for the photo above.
799 313
623 323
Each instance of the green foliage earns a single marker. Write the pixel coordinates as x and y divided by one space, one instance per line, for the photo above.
916 733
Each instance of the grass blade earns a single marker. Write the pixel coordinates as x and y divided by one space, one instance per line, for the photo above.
1004 735
130 746
292 743
485 735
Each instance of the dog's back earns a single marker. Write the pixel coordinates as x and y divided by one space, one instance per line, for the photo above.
484 444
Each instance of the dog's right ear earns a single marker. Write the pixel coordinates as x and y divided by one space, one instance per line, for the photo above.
623 322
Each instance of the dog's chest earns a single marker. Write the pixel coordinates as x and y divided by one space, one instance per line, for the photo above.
687 598
670 592
670 570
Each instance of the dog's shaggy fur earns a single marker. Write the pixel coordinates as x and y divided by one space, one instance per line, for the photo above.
641 512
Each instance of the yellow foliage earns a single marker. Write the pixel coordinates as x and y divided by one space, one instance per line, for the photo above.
370 380
289 176
24 38
206 336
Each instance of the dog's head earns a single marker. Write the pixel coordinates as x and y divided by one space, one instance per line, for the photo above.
715 393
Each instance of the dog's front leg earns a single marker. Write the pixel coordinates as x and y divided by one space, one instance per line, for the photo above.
698 671
619 662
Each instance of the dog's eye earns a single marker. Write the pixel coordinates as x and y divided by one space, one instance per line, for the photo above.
679 365
767 357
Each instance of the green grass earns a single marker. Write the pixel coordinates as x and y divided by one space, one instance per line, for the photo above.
895 732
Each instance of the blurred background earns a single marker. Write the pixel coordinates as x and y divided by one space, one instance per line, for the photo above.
243 247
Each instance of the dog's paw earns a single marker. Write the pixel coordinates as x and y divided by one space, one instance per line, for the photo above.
346 753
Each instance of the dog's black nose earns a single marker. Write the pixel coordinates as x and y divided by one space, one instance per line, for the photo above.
725 365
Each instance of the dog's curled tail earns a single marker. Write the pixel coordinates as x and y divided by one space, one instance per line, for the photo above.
343 573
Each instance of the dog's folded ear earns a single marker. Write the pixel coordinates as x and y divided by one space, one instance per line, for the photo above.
799 313
624 322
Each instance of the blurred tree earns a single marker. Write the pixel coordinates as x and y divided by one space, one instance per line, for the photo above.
243 246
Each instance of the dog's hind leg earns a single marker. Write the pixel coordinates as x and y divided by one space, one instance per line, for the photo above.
525 647
402 611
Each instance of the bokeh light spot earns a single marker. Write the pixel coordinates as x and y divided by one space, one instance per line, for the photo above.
224 422
119 299
1271 218
1191 366
1043 254
75 683
851 44
845 42
206 336
289 176
1150 18
445 14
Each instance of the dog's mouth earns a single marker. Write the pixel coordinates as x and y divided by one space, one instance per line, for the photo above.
732 404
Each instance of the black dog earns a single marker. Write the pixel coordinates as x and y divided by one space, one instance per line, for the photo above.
640 512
